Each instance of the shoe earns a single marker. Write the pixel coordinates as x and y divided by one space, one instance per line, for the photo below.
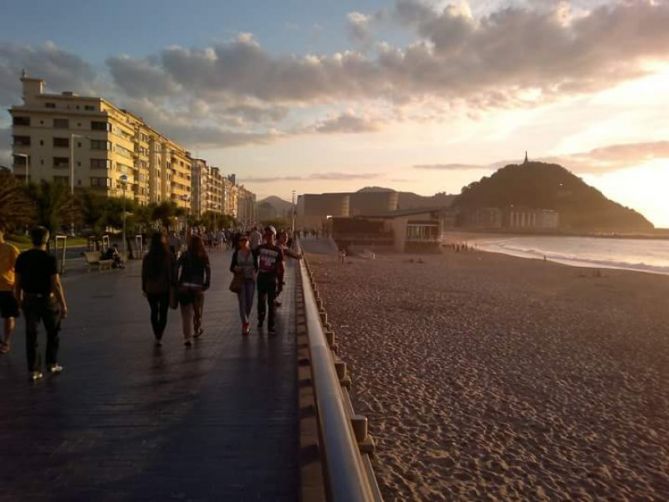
245 329
188 342
56 368
4 347
36 375
198 332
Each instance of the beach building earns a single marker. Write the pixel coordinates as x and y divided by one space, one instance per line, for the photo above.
402 230
532 219
313 210
88 142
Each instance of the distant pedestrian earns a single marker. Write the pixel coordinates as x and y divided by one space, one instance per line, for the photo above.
9 307
270 261
255 239
158 278
39 291
193 279
282 242
245 263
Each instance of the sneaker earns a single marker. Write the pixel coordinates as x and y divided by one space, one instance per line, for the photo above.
188 342
4 347
35 376
56 368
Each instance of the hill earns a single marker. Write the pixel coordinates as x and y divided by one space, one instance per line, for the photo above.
539 185
273 207
410 200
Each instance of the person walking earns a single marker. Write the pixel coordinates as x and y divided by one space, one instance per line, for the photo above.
40 293
255 239
245 263
282 243
9 307
270 260
157 280
193 279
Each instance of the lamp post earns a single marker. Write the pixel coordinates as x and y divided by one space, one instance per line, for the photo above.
124 181
27 157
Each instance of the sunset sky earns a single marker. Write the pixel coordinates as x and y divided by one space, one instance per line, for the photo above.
331 95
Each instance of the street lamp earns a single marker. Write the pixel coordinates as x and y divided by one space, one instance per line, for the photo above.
124 181
27 157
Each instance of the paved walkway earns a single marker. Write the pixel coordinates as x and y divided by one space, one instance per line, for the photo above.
126 421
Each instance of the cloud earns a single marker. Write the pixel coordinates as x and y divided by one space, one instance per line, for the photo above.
141 78
488 61
452 167
600 160
347 123
612 157
63 70
358 25
328 176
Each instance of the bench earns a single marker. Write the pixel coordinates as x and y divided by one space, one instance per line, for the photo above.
93 260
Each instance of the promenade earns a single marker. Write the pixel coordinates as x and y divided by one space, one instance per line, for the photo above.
127 421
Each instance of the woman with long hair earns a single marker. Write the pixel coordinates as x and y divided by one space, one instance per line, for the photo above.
245 264
157 279
194 277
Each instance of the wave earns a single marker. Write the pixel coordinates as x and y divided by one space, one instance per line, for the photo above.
511 248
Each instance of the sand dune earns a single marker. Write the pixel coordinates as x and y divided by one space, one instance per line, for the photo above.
488 377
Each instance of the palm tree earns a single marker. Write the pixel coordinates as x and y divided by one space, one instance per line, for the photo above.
15 207
53 204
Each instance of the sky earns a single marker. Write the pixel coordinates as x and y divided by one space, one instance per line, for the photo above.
334 95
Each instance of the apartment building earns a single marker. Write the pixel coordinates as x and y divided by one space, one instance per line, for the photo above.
88 142
246 206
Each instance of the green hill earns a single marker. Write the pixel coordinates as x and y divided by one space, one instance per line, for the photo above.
538 185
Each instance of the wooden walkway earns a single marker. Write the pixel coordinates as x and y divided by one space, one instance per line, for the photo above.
127 421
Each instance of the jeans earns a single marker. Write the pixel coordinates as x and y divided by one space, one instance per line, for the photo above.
36 309
159 304
245 297
266 297
192 305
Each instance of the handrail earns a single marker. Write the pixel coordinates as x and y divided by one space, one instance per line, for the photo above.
347 475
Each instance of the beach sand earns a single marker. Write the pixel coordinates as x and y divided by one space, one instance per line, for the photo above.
491 377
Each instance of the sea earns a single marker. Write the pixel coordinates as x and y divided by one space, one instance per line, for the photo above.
643 255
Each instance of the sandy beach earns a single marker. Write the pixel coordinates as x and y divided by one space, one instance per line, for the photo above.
492 377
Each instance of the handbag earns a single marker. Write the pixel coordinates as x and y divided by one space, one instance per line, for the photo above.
237 283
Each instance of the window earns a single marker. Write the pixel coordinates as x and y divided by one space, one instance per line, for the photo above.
19 160
61 124
100 164
100 144
50 105
100 126
101 182
21 121
61 142
21 140
63 180
61 162
89 108
123 151
41 142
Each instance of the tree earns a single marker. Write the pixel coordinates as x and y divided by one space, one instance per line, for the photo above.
164 212
16 209
52 203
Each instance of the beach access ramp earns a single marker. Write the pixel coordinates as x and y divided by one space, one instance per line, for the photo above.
324 245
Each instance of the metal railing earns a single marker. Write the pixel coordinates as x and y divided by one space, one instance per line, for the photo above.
348 472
